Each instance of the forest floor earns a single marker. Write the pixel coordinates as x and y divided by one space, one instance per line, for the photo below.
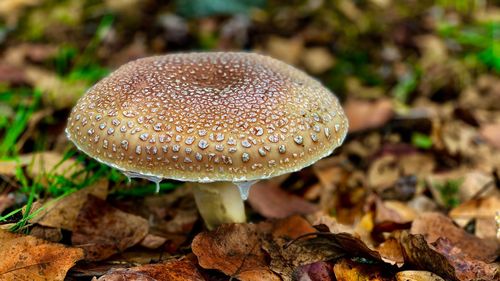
412 194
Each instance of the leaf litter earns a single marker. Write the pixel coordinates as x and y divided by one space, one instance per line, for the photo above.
413 194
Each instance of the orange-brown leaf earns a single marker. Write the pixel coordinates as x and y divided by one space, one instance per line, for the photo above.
26 257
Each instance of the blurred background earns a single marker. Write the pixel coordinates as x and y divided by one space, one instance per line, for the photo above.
419 81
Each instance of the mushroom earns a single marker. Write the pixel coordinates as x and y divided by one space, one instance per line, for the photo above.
213 119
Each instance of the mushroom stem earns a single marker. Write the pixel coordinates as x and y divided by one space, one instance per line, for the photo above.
219 203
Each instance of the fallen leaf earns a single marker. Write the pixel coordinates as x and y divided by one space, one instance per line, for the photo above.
383 172
459 138
391 252
58 93
418 252
417 275
179 270
287 256
6 201
62 213
12 75
317 59
318 271
404 212
44 164
152 241
8 167
356 90
422 203
491 133
285 49
269 200
392 211
475 183
433 225
235 249
47 233
11 10
486 228
102 230
29 258
480 208
364 114
347 270
466 268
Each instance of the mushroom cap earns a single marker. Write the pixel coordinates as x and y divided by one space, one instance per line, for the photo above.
208 117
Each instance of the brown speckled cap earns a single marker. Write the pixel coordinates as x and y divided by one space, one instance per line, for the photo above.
208 117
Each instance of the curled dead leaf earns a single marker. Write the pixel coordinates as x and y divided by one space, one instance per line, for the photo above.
418 252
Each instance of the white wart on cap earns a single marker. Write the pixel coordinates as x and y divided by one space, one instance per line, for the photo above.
208 117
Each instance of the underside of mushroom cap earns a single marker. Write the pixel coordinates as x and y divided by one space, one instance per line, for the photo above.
208 117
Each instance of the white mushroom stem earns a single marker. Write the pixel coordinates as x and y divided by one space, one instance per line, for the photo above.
219 203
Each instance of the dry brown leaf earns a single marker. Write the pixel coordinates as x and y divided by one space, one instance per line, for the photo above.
317 59
180 270
235 249
486 228
405 213
459 138
364 114
29 258
62 213
6 201
318 271
480 208
286 257
392 211
417 275
102 230
11 10
491 133
152 241
12 75
418 252
391 252
49 162
422 203
466 268
58 93
285 49
47 233
347 270
383 172
269 200
433 225
8 167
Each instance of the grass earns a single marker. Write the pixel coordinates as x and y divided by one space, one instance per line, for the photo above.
480 42
449 191
21 119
